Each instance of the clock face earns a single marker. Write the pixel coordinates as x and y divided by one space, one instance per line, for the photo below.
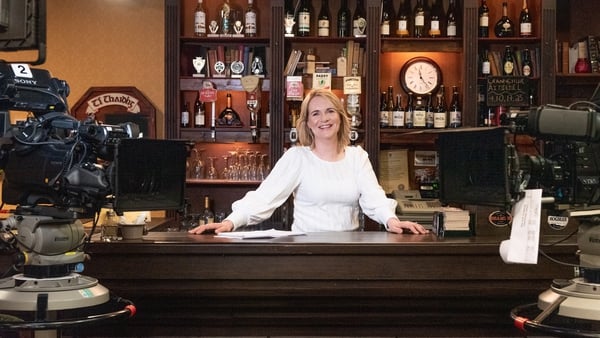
420 75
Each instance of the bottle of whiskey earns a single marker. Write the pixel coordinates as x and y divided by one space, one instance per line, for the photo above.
525 27
344 18
398 113
390 105
403 20
419 113
508 62
527 67
342 63
409 112
208 216
387 17
455 114
485 64
440 113
199 113
305 13
185 116
200 20
289 18
383 111
250 20
484 19
504 28
436 19
429 111
229 117
452 20
324 19
419 20
359 20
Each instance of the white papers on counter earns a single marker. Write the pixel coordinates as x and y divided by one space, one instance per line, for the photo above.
522 247
271 233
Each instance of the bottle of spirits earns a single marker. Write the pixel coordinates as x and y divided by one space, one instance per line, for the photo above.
409 112
185 116
324 19
504 28
383 111
305 13
200 20
484 20
359 20
403 19
436 19
199 113
525 26
455 113
527 67
485 64
387 17
208 216
390 105
429 111
419 20
508 62
440 113
289 19
225 18
250 20
344 20
229 117
342 63
452 20
419 113
398 113
310 61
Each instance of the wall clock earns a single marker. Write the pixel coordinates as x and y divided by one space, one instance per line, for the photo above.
420 75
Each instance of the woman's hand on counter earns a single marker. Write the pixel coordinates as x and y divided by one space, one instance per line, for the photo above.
397 226
225 226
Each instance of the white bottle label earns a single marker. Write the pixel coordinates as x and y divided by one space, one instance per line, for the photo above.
185 117
250 23
200 23
525 28
199 120
323 28
398 118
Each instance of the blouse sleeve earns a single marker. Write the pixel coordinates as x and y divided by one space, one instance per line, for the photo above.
373 201
258 205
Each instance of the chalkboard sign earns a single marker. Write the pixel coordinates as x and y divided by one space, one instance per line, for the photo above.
508 91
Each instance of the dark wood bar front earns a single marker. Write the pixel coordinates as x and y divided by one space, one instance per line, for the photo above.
334 284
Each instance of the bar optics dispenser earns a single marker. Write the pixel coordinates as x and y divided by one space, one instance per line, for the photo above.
252 85
352 90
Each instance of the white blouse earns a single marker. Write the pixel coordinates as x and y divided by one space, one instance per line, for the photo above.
326 194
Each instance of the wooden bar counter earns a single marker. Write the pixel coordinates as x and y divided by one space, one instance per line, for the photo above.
320 284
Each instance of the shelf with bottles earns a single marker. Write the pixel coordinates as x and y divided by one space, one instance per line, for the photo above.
510 20
241 21
233 120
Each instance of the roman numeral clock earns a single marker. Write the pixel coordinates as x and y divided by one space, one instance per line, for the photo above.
420 76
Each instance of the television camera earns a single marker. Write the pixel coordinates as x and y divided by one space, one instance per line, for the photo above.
57 171
482 166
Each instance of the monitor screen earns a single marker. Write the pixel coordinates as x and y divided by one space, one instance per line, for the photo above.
473 167
149 174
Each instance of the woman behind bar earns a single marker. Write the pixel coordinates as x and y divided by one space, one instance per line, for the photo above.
329 179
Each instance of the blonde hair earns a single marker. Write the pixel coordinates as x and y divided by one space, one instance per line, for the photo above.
305 135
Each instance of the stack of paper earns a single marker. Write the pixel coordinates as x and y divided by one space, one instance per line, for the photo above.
271 233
